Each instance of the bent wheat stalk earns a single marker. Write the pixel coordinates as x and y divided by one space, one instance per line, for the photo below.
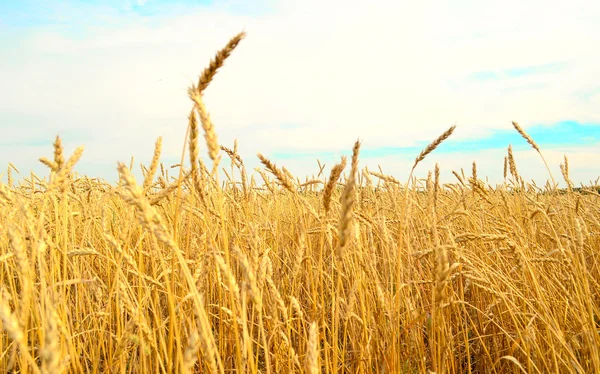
534 145
430 148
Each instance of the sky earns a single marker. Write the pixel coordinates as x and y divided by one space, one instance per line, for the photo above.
310 79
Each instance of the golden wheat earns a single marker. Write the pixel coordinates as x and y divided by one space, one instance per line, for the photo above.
453 278
336 171
281 176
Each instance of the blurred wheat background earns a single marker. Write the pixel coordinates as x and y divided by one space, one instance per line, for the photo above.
350 271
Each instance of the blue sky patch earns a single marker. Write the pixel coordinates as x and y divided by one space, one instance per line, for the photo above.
563 134
538 69
517 72
483 76
38 13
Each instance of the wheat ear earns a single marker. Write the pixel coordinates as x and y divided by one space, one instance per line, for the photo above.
153 165
336 171
312 356
432 146
193 143
348 202
280 175
195 93
59 158
534 145
511 163
218 61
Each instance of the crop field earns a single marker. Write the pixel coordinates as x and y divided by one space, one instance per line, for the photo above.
350 271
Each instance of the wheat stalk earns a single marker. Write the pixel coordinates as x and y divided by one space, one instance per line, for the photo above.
195 93
348 202
10 323
193 144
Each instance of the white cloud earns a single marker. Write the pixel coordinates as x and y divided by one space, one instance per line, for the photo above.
387 72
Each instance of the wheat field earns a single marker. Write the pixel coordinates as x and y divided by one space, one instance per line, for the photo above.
351 271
